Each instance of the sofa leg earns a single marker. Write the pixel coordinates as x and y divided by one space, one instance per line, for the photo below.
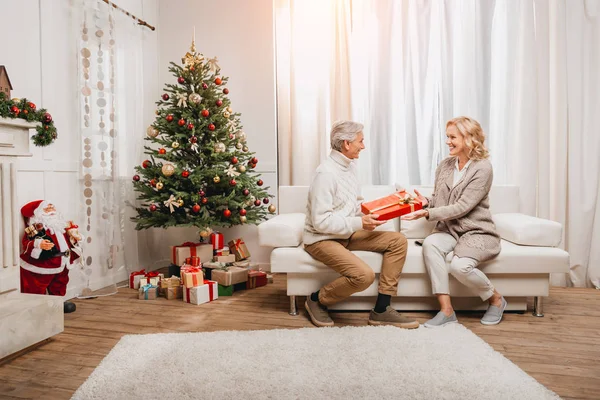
538 310
293 307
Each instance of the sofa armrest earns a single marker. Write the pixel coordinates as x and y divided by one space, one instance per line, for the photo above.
283 230
527 230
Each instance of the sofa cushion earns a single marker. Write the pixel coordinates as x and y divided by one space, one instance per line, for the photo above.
418 229
527 230
283 230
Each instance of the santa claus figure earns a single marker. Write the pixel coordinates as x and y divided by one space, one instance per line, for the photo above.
50 247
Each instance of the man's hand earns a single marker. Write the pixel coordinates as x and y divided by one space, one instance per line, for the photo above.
415 215
369 222
421 198
46 245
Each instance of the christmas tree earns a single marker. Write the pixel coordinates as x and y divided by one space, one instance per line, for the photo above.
200 170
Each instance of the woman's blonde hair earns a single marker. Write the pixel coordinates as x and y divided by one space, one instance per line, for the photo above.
473 135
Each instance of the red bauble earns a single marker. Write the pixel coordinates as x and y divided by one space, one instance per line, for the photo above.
254 160
226 213
232 182
204 86
15 110
266 200
226 91
218 81
32 106
211 127
185 174
204 200
259 182
231 136
169 118
257 202
193 139
190 126
165 97
242 212
162 151
201 193
181 80
246 192
152 207
181 122
47 118
196 208
136 178
234 160
205 113
219 103
146 164
153 182
25 112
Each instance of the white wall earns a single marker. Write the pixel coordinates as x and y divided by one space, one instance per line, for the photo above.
40 54
240 34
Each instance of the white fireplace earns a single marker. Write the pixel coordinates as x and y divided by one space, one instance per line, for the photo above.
25 319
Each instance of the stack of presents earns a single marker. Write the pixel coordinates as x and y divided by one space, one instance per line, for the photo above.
201 272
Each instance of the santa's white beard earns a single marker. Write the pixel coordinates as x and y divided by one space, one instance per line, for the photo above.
53 222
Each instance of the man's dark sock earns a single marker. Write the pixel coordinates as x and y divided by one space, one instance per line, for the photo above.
315 296
383 300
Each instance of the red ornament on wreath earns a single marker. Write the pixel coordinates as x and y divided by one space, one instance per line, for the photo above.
254 160
201 193
162 151
146 164
165 97
190 127
219 103
266 200
234 160
218 81
193 139
152 207
242 212
32 106
25 112
226 213
153 182
47 118
181 122
136 178
246 192
205 113
204 200
232 182
169 118
181 80
226 91
257 202
204 86
259 182
185 174
211 127
196 208
15 110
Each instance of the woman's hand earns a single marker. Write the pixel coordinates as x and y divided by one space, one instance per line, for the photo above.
421 198
415 215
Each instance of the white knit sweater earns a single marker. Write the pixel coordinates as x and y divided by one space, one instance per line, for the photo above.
333 210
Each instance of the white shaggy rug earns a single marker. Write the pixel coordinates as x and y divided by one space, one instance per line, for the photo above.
310 363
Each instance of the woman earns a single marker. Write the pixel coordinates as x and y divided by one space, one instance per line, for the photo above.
460 205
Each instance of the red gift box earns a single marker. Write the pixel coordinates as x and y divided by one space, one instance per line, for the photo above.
133 282
193 261
392 206
256 279
218 241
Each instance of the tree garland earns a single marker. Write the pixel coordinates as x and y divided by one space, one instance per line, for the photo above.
24 109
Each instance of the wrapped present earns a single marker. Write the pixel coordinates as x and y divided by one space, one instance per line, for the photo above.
221 252
194 261
230 275
134 278
173 293
201 294
210 266
189 249
224 259
270 278
246 264
225 290
392 206
192 277
239 249
217 240
154 281
171 282
256 279
147 292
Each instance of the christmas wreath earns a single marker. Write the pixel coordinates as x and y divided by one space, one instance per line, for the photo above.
24 109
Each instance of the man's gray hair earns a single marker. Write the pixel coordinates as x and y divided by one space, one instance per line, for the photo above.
344 130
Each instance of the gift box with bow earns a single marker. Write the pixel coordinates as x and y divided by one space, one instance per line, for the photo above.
217 240
147 292
238 247
228 276
256 279
201 294
135 277
189 249
392 206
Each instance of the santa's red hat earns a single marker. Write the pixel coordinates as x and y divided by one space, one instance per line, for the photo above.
32 208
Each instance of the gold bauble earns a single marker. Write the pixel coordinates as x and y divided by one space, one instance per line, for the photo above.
195 98
226 114
249 202
239 146
245 149
242 169
241 135
243 219
180 202
16 99
216 179
204 233
151 132
168 169
175 144
159 185
230 110
272 208
220 147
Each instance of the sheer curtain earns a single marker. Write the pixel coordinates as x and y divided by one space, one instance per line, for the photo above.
403 68
111 100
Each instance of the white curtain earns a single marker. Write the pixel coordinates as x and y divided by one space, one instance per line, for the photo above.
523 69
112 127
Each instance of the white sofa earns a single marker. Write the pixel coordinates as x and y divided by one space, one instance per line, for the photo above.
529 254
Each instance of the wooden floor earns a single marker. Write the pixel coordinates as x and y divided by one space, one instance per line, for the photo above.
561 350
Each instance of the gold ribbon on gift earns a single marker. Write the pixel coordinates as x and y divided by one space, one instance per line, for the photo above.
408 199
172 202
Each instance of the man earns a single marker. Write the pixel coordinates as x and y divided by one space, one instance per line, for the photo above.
49 249
334 228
